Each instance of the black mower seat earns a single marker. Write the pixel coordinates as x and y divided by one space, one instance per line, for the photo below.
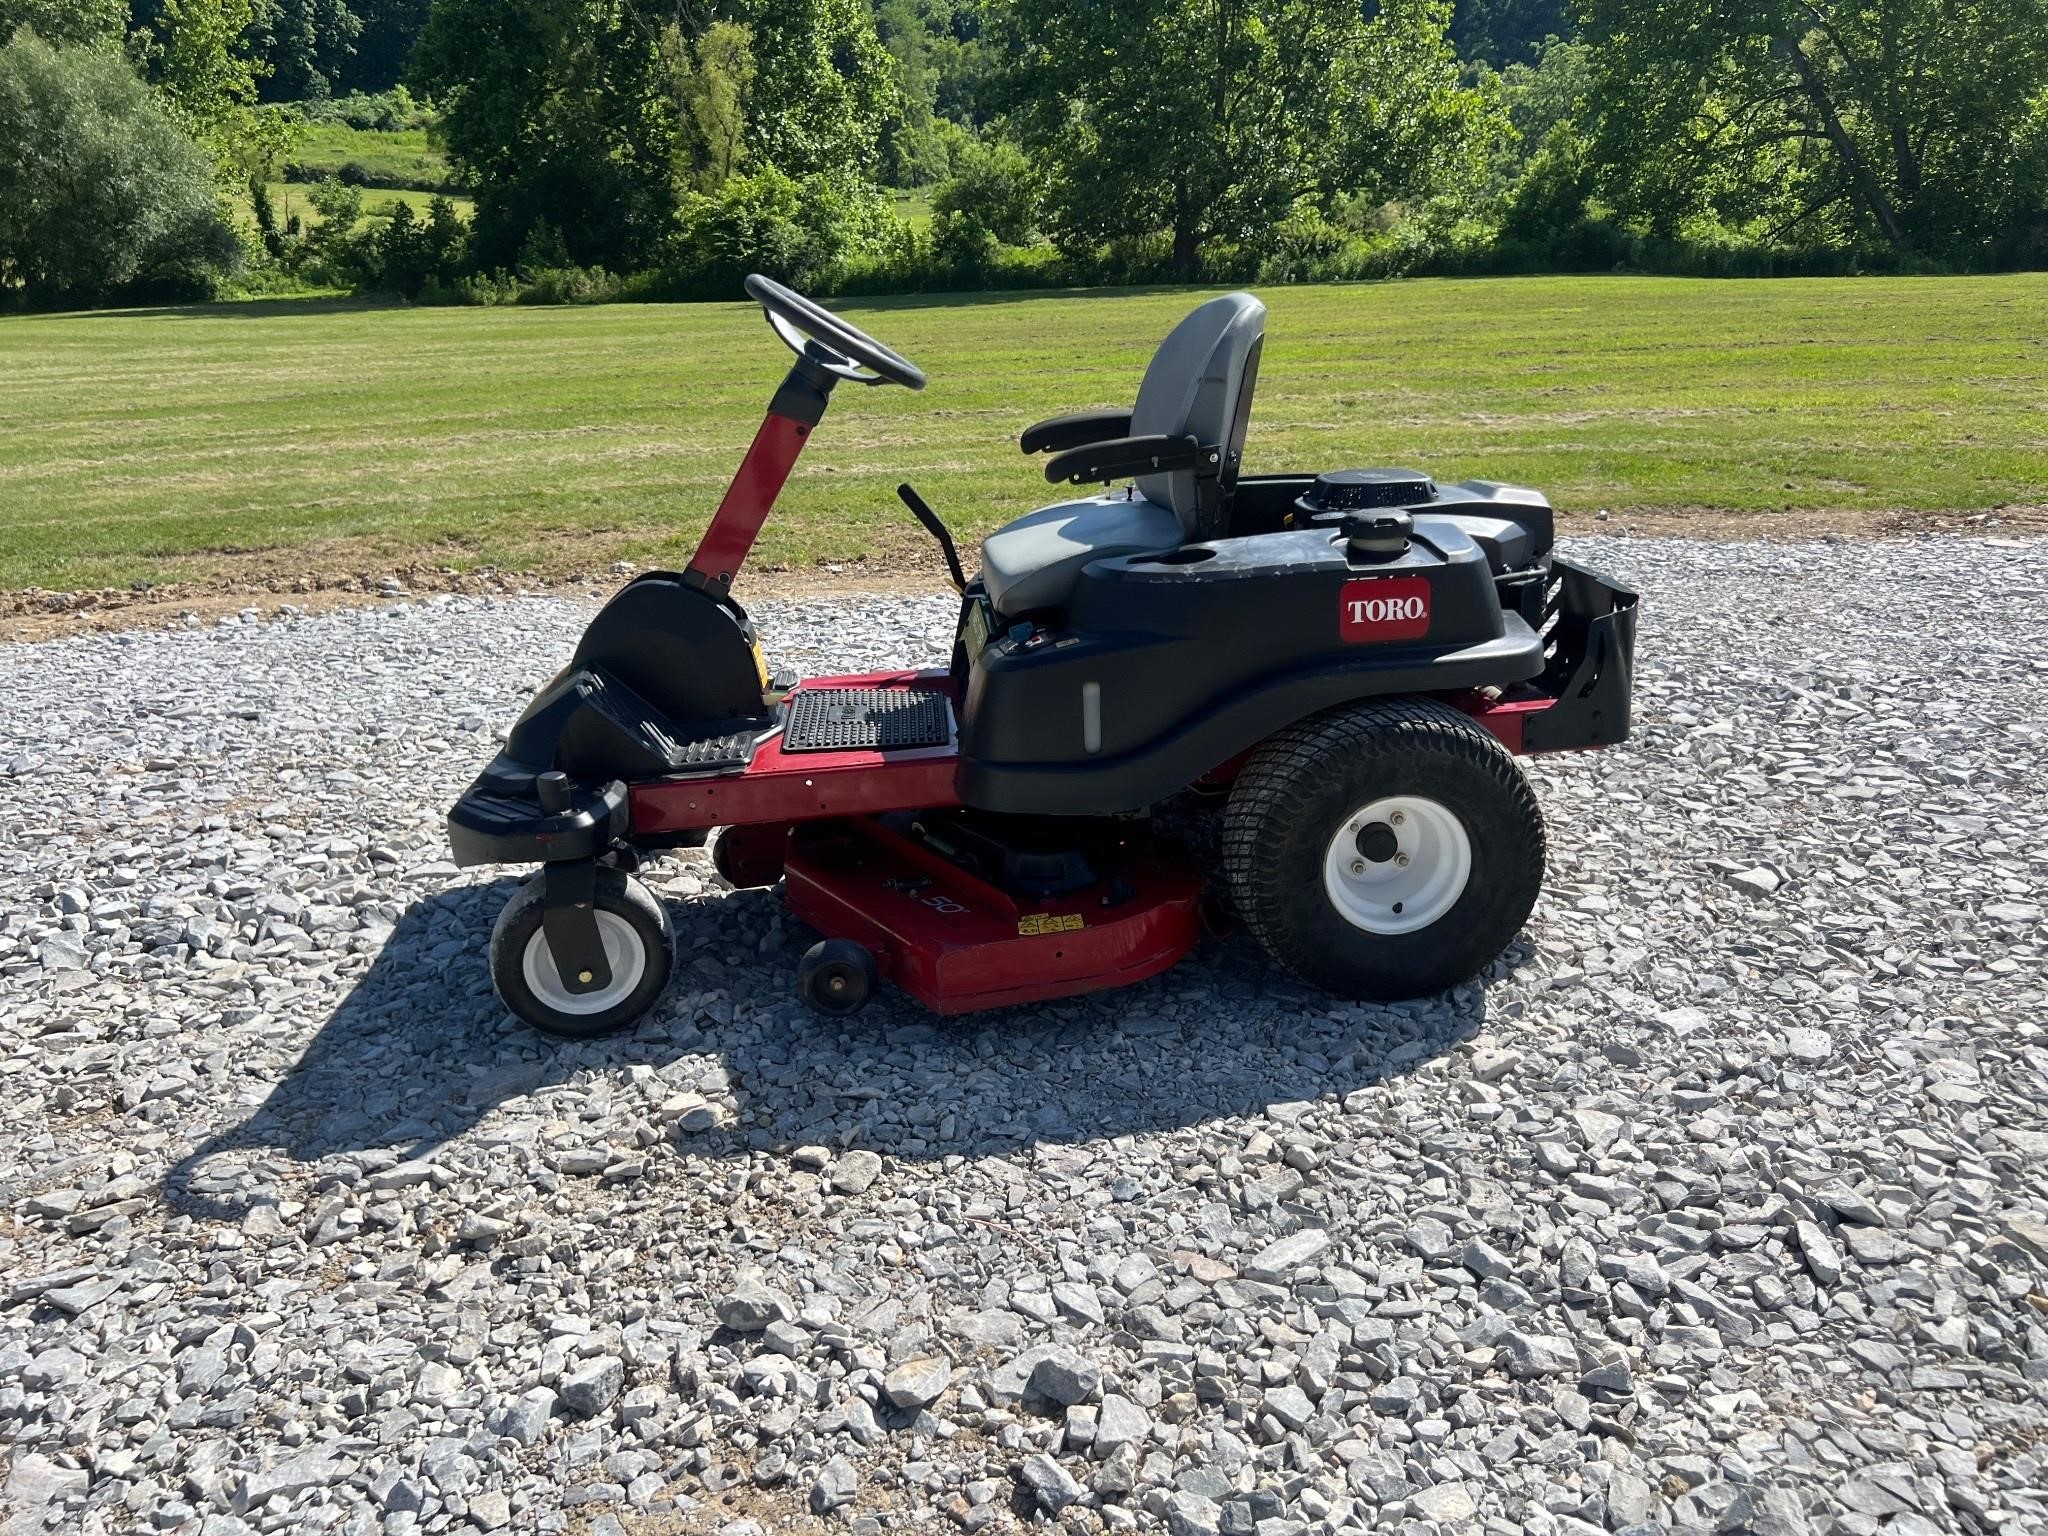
1199 386
1030 566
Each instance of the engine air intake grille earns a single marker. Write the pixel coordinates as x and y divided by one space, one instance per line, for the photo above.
877 719
1360 490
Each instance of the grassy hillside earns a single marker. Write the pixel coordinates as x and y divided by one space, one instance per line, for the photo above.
395 158
292 198
162 445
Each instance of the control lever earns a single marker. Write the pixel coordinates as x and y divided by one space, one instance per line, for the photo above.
924 514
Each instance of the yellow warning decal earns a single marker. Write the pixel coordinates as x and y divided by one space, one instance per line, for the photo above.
1048 922
761 664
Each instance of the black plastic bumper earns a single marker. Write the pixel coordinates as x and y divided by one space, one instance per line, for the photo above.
1590 671
500 820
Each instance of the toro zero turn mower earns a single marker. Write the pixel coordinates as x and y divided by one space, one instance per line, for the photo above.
1347 662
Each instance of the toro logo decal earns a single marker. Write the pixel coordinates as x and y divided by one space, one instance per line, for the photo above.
1384 608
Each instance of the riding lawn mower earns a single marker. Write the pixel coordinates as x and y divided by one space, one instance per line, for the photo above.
1346 662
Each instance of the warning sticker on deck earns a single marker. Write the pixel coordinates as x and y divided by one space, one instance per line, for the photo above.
1048 922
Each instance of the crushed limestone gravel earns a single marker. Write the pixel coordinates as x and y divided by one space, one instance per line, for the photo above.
1720 1204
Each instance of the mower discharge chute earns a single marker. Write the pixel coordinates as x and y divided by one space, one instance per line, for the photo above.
1348 660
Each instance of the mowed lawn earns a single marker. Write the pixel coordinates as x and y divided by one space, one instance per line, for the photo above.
174 444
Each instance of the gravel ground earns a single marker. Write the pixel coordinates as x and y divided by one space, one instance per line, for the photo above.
1720 1204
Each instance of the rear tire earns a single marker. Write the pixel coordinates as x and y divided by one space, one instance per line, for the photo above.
639 946
1384 850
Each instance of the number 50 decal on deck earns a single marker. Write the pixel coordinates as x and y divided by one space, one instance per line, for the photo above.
1384 608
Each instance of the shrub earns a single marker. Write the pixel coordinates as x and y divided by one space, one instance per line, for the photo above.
268 231
483 290
338 203
1301 246
570 285
1549 202
382 112
101 194
993 198
799 232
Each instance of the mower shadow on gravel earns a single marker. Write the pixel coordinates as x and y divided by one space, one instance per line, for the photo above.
421 1052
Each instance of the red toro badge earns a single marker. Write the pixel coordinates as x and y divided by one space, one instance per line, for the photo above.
1384 608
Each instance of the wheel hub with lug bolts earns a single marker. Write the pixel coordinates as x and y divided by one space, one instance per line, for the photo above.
1398 864
1377 843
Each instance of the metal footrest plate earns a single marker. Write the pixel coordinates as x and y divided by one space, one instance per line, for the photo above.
713 752
875 719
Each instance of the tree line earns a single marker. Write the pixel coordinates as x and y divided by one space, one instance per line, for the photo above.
661 148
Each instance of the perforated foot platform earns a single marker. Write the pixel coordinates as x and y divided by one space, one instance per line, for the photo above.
877 719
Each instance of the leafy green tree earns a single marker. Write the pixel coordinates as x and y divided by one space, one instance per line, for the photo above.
1502 32
1548 91
931 60
404 257
994 197
561 111
339 204
384 46
101 192
198 55
576 111
447 240
1916 123
1212 120
1549 199
823 84
717 78
965 58
306 44
196 59
99 24
1545 106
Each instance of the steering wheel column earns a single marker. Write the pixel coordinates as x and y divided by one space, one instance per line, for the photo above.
829 352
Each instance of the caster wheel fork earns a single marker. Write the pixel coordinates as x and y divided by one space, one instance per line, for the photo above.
636 942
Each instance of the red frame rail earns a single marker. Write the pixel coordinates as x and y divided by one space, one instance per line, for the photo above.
782 788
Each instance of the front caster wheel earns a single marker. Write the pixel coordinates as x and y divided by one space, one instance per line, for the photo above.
638 946
1384 850
837 977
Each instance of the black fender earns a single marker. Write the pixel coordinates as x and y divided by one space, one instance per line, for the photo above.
1095 786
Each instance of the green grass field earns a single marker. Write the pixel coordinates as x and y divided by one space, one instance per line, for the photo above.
913 208
290 198
173 444
402 158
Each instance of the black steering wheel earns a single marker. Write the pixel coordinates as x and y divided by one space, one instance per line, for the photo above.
813 332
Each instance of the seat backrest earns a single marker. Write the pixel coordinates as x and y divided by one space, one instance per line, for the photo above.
1200 385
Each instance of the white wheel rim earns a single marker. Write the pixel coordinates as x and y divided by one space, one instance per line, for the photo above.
1414 886
623 952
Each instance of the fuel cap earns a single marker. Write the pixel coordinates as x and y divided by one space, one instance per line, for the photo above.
1377 536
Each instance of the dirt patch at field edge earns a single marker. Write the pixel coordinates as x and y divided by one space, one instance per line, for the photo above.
339 574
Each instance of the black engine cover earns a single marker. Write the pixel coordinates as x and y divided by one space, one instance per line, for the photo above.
1169 665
